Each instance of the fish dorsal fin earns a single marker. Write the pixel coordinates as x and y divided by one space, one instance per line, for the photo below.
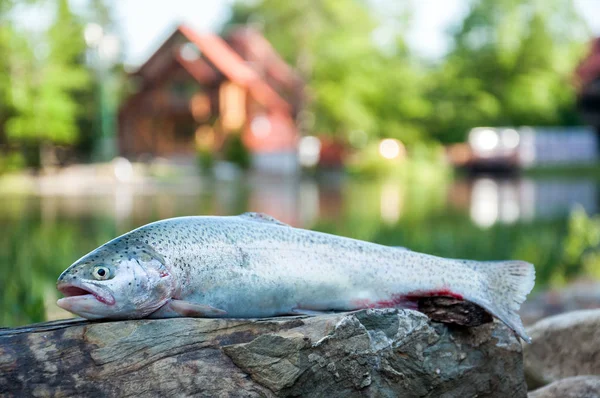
262 217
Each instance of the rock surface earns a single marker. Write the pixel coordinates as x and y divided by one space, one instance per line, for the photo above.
571 387
377 353
563 346
579 295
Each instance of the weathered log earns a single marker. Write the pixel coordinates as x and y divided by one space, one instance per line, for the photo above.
454 311
382 353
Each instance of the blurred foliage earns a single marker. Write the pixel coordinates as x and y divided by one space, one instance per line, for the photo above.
235 151
511 63
424 162
47 87
11 162
205 159
43 92
7 38
564 171
353 83
581 253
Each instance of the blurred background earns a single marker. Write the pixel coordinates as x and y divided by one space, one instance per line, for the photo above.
460 128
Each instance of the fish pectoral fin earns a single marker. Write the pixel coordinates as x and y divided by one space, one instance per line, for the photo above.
262 217
189 309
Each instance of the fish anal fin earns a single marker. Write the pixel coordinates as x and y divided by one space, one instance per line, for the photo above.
262 217
181 308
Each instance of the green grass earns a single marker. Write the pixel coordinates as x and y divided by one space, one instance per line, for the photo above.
576 171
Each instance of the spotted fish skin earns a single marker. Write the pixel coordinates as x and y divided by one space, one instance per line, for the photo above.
255 266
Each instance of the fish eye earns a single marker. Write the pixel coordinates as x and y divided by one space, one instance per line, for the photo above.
101 273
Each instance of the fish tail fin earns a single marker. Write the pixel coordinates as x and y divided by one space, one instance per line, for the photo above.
508 284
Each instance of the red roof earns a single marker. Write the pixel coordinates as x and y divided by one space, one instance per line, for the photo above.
228 62
217 58
254 44
198 69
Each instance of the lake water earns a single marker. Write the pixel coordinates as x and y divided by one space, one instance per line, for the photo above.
482 219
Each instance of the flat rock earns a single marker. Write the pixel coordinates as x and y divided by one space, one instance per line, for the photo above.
378 353
563 346
571 387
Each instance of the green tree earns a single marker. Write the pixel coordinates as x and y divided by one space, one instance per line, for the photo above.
6 37
511 64
109 85
354 83
46 81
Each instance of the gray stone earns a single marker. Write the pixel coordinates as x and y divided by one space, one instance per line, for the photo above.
571 387
578 295
563 346
374 353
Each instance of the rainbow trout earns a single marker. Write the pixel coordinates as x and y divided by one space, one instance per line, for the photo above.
252 265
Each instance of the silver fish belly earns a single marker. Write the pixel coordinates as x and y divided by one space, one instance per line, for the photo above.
255 266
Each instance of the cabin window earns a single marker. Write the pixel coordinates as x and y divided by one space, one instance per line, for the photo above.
232 100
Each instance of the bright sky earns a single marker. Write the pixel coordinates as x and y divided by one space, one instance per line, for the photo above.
145 26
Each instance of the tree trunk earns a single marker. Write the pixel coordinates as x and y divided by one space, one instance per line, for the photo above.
379 353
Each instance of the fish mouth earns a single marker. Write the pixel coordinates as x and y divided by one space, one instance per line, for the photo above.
84 291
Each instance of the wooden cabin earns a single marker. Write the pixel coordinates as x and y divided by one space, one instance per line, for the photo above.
197 90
